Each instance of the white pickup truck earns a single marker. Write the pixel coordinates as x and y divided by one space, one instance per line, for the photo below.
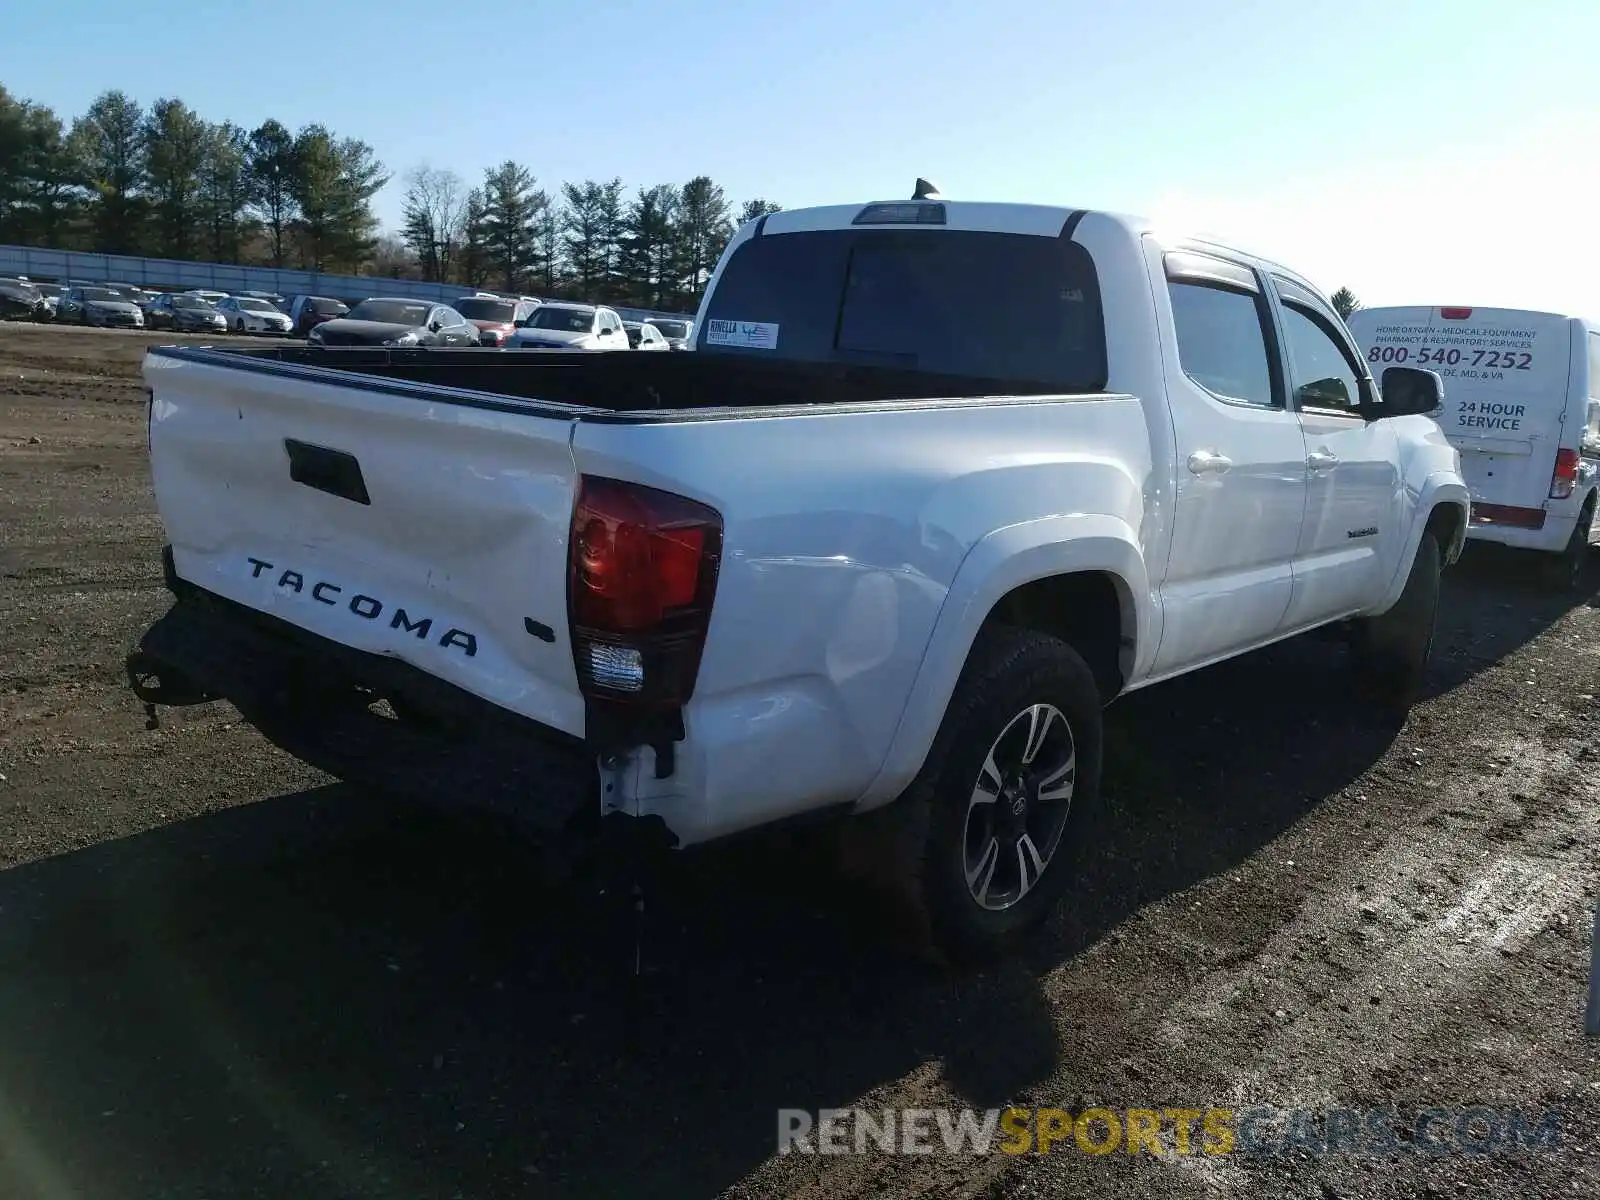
938 482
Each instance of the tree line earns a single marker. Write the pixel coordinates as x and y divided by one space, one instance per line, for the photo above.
655 248
163 181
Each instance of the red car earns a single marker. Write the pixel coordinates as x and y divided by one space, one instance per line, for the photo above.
496 318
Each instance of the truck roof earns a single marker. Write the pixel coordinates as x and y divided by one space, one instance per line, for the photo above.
1044 220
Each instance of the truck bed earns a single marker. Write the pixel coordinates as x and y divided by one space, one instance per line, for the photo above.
618 382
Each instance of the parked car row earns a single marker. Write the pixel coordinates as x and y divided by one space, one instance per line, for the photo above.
484 319
524 323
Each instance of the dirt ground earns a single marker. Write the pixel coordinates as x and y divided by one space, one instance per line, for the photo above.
222 974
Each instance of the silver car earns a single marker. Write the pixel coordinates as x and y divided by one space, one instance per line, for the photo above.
99 306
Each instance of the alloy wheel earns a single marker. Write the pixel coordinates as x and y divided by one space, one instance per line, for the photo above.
1019 805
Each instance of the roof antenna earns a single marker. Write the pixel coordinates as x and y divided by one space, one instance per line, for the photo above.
926 191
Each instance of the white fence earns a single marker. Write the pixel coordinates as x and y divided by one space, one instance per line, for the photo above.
168 274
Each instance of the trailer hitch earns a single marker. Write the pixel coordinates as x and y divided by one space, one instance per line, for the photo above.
155 682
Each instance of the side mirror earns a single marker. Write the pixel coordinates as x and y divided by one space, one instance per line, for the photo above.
1325 393
435 326
520 323
1410 392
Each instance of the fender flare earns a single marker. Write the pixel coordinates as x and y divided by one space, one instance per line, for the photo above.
998 563
1440 487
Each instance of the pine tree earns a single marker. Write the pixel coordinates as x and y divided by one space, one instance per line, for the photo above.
224 196
1345 302
270 167
592 227
648 245
108 145
473 264
704 228
175 141
512 205
552 264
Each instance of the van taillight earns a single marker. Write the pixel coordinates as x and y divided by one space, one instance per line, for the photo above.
1455 314
641 575
1565 479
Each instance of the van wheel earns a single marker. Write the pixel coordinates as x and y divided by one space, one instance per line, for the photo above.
1391 650
1564 572
987 833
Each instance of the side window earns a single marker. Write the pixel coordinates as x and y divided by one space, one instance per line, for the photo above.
1222 344
1322 374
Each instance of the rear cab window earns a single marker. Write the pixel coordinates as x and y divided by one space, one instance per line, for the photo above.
992 306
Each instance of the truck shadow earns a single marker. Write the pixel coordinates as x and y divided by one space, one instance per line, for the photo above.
320 994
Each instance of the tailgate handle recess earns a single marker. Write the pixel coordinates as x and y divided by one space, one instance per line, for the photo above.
333 471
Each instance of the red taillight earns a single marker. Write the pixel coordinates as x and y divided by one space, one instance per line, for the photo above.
1455 314
642 572
1565 477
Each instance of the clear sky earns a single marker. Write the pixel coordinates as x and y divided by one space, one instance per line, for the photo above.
1439 152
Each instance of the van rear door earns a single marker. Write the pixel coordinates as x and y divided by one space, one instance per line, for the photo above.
1506 374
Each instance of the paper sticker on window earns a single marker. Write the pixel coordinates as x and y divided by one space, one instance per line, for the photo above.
748 335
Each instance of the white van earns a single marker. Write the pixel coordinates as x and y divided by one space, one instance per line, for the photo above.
1521 404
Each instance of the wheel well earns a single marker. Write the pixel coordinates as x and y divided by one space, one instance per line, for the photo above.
1085 610
1444 522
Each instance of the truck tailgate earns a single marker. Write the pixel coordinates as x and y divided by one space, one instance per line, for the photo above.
385 517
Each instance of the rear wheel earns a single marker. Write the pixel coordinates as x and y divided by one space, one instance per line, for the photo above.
1565 571
986 837
1391 650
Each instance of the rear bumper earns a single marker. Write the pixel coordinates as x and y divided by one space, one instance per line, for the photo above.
312 697
1551 537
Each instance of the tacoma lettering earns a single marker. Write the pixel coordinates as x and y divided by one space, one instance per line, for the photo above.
368 608
401 621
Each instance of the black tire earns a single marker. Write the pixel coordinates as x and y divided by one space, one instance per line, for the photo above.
1564 572
238 326
1391 651
1009 673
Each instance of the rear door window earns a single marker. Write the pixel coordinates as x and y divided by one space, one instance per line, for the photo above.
1222 343
982 305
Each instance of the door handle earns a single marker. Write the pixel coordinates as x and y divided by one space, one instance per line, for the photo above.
1208 462
1322 460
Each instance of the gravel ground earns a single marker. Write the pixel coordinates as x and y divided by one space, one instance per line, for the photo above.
222 974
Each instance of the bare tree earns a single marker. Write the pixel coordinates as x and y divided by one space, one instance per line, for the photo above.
435 212
393 259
